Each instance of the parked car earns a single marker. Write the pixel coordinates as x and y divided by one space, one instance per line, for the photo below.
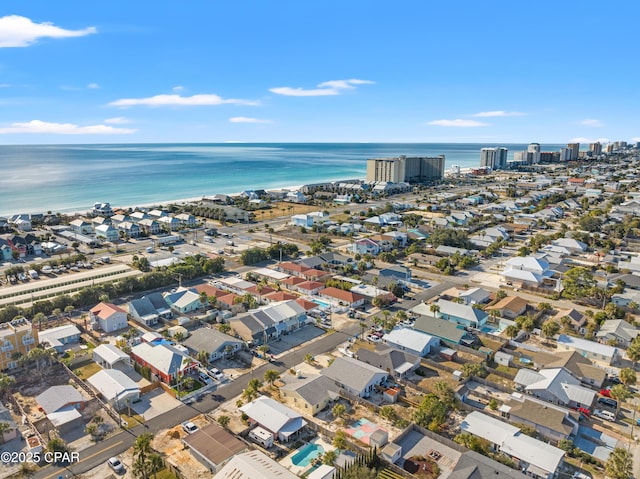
116 465
189 427
606 392
584 411
608 402
606 415
216 373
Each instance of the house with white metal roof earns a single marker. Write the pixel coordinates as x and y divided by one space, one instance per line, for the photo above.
115 387
463 314
555 385
60 336
274 417
535 458
254 465
109 356
599 353
411 340
183 300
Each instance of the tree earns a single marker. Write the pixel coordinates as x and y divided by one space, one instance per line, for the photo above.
620 393
224 421
544 307
444 393
141 452
224 328
156 463
203 358
340 440
339 411
511 331
309 359
388 413
6 383
359 471
550 329
435 309
271 376
56 444
628 376
633 351
620 464
329 458
577 282
501 294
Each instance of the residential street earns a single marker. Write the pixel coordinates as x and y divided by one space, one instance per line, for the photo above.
114 445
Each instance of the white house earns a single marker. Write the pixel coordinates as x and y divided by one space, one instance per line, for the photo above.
599 353
276 418
115 387
355 377
108 317
109 356
107 232
415 342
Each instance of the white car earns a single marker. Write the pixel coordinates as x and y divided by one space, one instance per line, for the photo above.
373 338
189 427
216 373
606 415
116 465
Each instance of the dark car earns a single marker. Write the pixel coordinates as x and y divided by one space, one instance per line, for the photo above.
608 402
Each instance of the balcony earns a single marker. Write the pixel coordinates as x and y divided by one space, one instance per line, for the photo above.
6 347
27 340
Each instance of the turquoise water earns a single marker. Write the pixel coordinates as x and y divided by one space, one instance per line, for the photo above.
322 304
66 178
305 455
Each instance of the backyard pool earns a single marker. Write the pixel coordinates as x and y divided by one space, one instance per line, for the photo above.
322 304
308 453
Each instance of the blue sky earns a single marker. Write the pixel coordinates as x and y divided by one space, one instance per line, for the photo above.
260 71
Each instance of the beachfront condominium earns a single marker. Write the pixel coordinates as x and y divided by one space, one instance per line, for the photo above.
533 151
595 148
494 158
403 169
575 149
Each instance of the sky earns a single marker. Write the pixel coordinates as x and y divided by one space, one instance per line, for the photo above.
140 71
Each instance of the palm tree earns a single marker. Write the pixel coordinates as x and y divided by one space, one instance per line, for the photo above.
620 393
224 421
156 463
435 309
204 299
633 351
511 331
6 383
628 377
141 452
340 440
550 329
363 327
620 464
203 358
271 376
329 458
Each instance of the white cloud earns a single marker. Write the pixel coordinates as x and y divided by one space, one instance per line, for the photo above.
591 122
328 88
17 31
498 113
177 100
244 119
459 122
119 120
93 86
178 88
37 126
635 139
581 139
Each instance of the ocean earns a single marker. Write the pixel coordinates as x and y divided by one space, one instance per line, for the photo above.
67 178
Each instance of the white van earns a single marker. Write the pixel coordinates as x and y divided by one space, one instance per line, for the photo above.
607 415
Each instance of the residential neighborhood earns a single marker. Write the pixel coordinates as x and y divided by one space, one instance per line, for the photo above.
485 325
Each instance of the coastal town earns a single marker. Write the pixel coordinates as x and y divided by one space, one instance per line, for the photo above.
416 323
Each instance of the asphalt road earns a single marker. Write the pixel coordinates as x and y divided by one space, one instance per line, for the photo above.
118 443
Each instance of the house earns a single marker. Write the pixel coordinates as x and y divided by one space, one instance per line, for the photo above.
149 226
309 219
12 428
81 227
149 309
346 298
213 342
165 362
599 353
138 216
184 300
528 270
473 465
462 314
510 307
411 340
186 219
397 272
309 287
109 356
254 465
260 326
102 209
169 223
535 458
129 229
17 336
278 419
580 367
365 246
576 319
617 332
115 387
214 446
436 327
555 424
555 385
397 363
107 232
61 336
107 317
356 377
574 246
474 295
309 393
60 398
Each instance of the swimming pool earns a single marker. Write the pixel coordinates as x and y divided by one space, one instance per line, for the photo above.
305 455
322 304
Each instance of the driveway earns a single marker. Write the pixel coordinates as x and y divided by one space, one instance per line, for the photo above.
154 403
294 339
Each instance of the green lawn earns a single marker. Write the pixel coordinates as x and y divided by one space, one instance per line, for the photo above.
87 371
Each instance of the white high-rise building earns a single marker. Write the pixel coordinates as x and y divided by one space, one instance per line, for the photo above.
494 158
534 153
402 169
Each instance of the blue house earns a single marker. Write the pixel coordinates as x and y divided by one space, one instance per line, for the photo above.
463 314
59 337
